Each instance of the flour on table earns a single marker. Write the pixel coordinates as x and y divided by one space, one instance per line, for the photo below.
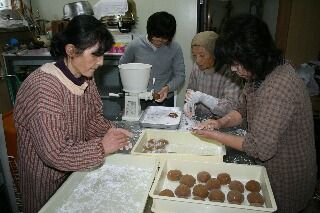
111 188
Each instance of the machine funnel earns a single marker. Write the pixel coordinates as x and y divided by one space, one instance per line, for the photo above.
135 77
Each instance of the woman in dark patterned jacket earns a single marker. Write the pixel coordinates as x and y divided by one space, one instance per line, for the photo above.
276 104
58 114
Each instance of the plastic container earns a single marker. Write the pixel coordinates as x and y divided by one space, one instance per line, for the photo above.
135 77
181 145
109 190
239 172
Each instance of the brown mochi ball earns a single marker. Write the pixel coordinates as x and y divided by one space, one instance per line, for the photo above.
235 197
182 191
216 195
173 115
253 186
188 180
200 190
203 176
255 199
166 192
224 178
236 185
156 96
161 143
174 175
213 183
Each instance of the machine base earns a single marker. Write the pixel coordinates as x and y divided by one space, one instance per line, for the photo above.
131 118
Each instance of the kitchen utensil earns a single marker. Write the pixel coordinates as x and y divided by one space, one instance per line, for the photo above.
135 78
73 9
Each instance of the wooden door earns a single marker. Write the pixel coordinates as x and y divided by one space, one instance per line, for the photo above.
298 30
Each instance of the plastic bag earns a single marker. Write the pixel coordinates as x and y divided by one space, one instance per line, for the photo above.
306 72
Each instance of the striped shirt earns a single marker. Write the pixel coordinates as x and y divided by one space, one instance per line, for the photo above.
219 84
59 130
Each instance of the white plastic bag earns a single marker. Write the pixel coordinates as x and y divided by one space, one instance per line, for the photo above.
306 72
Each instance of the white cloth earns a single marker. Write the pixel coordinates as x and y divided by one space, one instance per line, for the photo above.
192 98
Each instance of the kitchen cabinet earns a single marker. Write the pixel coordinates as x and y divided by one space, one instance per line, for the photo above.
6 179
22 34
107 77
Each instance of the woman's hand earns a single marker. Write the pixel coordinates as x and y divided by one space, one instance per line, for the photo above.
163 93
233 141
115 139
188 110
209 134
188 107
188 95
209 124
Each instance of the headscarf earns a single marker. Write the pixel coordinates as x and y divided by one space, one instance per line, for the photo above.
206 39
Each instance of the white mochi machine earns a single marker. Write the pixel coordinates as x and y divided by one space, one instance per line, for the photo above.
135 78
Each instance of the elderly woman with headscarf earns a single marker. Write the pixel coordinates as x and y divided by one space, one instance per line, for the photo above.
210 90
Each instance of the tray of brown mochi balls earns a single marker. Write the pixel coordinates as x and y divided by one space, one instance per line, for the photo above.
195 186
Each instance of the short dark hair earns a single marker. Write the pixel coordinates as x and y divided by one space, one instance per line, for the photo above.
83 31
246 39
162 25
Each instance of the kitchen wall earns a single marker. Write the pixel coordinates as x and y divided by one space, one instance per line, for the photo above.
52 10
185 12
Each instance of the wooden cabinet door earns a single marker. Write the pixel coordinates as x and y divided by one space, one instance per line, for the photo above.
298 30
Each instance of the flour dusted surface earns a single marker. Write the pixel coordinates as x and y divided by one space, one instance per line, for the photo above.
111 188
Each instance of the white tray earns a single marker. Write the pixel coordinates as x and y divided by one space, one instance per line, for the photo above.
239 172
182 144
158 117
120 185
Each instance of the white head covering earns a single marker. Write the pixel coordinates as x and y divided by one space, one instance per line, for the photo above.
206 39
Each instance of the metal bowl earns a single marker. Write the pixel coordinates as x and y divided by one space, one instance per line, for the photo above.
77 8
